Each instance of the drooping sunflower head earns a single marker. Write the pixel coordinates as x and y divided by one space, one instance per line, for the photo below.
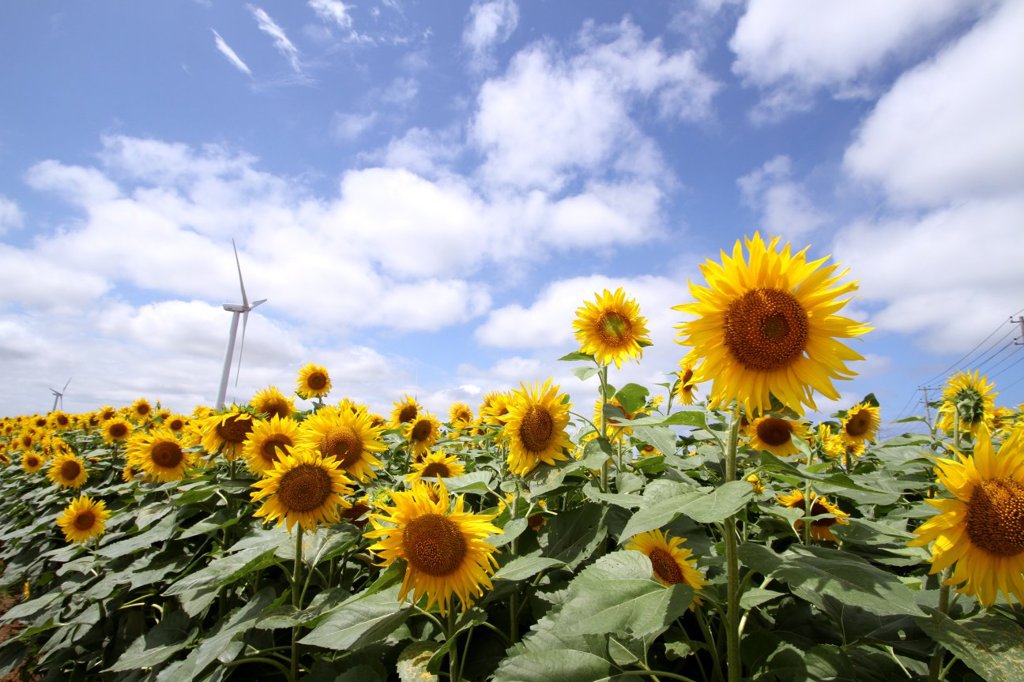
348 437
268 440
981 528
686 389
421 433
756 483
779 436
670 561
445 548
83 519
611 328
861 423
405 411
613 414
535 427
116 430
140 410
436 465
303 488
31 461
227 432
67 471
270 402
765 325
825 514
159 454
460 416
313 382
971 396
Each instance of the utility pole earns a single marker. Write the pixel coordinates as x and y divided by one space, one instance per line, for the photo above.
1020 321
927 409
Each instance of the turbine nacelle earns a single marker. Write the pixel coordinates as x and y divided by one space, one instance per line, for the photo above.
235 309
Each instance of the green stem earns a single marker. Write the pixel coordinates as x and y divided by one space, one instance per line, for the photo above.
935 664
453 649
602 373
808 505
256 659
732 627
297 604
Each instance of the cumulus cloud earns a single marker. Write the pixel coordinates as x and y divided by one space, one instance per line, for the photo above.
785 206
10 215
792 49
488 24
230 54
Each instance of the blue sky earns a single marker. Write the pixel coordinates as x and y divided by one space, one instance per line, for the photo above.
425 192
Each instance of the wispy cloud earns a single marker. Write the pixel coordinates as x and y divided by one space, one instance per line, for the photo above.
281 42
337 12
232 56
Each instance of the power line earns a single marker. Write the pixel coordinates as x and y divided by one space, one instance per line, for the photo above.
960 362
992 370
1012 365
978 364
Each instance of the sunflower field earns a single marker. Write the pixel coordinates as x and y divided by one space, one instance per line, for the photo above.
699 529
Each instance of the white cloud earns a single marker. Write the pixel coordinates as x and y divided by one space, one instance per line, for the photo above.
231 55
488 24
792 48
348 127
334 11
422 151
32 281
10 215
785 206
951 128
281 41
401 92
76 184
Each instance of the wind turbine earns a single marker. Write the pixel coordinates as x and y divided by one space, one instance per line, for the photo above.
58 396
236 310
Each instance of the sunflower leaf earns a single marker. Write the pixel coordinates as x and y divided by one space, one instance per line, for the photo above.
991 646
632 397
360 621
576 355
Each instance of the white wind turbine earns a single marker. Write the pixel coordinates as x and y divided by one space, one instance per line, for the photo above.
58 396
236 310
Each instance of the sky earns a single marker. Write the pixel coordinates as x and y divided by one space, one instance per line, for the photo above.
425 192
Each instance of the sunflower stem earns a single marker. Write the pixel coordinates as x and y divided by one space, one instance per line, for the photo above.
296 603
602 374
808 506
935 671
732 628
453 649
709 639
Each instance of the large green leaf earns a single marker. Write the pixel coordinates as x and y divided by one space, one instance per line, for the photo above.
701 506
360 621
145 540
992 646
572 536
198 590
171 635
524 567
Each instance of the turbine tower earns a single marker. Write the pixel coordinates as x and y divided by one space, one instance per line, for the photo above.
58 396
236 310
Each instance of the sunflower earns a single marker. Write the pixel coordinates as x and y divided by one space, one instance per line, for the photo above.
176 423
349 437
58 421
972 396
981 528
227 433
768 327
421 433
670 561
821 528
434 465
535 427
445 548
405 411
67 471
270 401
756 483
776 435
83 519
611 328
302 488
31 462
460 416
313 382
861 423
267 441
494 408
116 430
160 454
140 409
686 390
106 413
613 413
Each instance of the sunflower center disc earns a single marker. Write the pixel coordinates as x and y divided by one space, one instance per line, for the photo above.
433 544
435 469
142 410
316 381
536 429
277 408
614 329
858 424
766 329
85 520
687 376
118 430
665 567
995 517
70 470
304 488
420 431
407 414
166 454
817 509
176 425
234 430
774 431
274 446
342 443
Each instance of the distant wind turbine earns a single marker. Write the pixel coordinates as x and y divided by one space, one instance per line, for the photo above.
58 396
236 310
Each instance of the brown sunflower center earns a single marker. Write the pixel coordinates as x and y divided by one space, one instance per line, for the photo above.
234 430
995 516
166 454
118 430
176 424
614 329
665 567
407 414
766 329
70 470
686 377
420 431
774 431
304 488
859 424
342 443
435 469
32 460
277 407
85 520
142 410
275 446
433 543
316 381
62 420
536 429
817 509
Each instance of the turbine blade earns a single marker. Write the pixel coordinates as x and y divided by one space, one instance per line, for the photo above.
245 301
256 303
241 345
65 386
